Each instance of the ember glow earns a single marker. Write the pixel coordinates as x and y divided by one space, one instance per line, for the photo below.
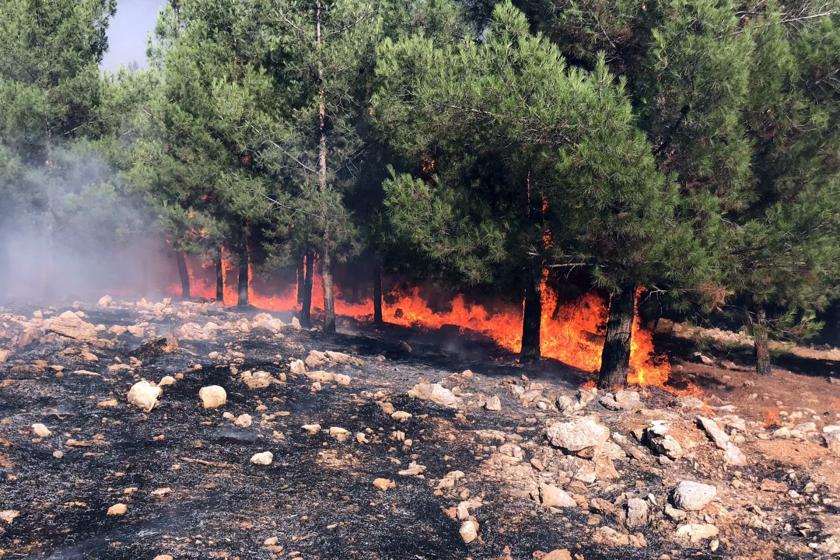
572 333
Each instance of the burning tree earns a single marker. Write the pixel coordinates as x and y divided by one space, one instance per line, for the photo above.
535 165
739 103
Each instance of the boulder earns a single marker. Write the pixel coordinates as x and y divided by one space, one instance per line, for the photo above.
693 496
144 395
577 434
212 396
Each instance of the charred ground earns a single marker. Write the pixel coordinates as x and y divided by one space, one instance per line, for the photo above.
191 492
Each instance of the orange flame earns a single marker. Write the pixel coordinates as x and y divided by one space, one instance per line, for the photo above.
571 332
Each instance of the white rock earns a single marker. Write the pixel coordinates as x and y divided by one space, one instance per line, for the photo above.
696 532
144 395
637 513
469 530
493 403
434 392
714 432
212 396
297 367
243 421
577 434
264 458
166 380
693 496
41 430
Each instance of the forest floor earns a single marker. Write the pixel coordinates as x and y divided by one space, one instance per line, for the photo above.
395 444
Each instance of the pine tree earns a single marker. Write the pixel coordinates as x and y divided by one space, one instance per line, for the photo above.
523 148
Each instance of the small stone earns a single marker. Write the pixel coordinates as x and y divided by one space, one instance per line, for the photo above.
400 416
243 421
696 532
637 513
610 537
297 367
693 496
212 396
144 395
413 470
734 456
552 496
714 432
58 454
493 403
674 513
384 483
9 515
469 530
577 434
166 380
339 434
41 430
117 510
434 392
264 458
311 429
768 485
163 557
558 554
107 403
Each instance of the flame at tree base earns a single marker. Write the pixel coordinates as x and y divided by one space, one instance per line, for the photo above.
571 332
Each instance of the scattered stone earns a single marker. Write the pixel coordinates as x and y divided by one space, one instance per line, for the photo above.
714 432
413 470
696 532
693 496
674 513
637 513
257 379
328 377
610 537
117 510
384 484
734 456
41 430
493 403
163 557
264 458
339 434
400 416
9 515
558 554
434 392
469 530
768 485
70 325
166 380
312 429
297 367
661 442
831 435
144 395
243 421
212 396
577 434
552 496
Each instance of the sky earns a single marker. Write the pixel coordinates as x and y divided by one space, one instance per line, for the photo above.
128 33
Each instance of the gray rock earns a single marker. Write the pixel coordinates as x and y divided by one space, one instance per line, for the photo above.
693 496
714 432
577 434
637 513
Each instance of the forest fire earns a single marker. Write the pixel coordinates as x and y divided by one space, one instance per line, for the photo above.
571 332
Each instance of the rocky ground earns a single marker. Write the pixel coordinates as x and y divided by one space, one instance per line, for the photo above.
164 430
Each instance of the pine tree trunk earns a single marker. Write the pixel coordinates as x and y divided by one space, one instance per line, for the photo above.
306 292
532 315
615 358
329 295
326 257
300 271
184 274
762 350
220 277
242 293
377 293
